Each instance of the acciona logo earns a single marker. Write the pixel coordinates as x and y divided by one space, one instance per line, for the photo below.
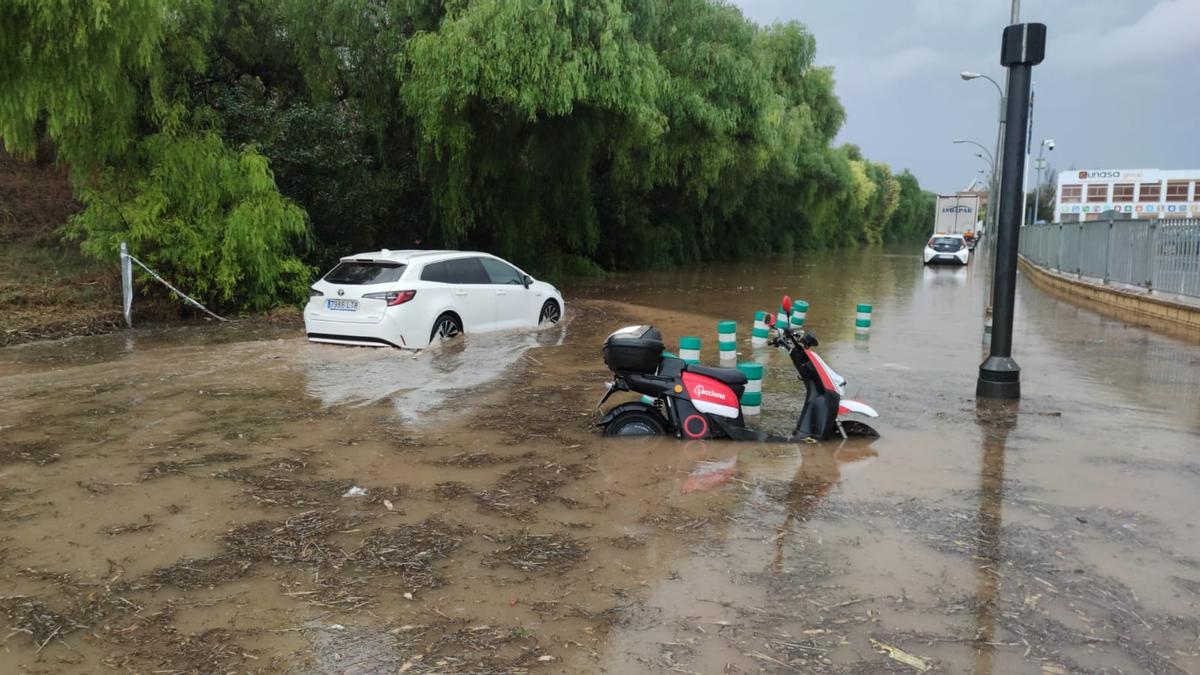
699 392
1084 175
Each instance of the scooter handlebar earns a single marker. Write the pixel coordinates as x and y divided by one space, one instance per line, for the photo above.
799 337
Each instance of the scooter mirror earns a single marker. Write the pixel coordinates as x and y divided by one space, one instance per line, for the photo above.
787 304
770 320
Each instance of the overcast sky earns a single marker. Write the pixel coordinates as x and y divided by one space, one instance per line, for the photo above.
1120 86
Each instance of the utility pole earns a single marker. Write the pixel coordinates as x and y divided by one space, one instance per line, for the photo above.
1022 47
1041 164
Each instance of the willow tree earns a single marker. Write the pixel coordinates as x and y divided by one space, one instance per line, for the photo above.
515 103
107 85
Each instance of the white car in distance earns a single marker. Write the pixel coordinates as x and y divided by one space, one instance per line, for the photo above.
411 298
947 248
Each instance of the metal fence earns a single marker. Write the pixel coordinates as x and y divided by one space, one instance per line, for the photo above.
1159 255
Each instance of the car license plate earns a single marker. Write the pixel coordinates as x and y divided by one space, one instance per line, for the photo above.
946 257
342 305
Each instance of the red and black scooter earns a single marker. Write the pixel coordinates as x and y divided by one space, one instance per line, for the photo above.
692 401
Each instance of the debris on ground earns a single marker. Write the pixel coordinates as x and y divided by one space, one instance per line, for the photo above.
190 573
901 656
473 459
522 488
168 468
627 541
551 609
409 550
536 552
450 490
299 539
273 489
40 453
114 530
675 519
441 645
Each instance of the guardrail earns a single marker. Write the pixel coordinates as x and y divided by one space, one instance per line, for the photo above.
1157 255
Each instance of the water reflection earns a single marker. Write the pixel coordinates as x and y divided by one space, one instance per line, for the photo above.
1150 370
821 467
944 276
996 420
416 383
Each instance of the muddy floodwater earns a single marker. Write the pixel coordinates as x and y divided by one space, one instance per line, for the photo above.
235 499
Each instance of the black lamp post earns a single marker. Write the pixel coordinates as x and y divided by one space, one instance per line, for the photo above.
1022 47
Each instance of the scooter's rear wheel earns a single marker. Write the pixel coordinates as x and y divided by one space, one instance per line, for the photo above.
636 423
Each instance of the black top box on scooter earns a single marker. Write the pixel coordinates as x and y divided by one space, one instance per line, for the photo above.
635 349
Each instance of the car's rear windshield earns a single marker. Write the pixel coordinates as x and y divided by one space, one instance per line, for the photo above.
360 273
951 242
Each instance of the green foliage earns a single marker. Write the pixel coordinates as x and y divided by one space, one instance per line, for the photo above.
110 84
78 68
569 136
913 216
210 215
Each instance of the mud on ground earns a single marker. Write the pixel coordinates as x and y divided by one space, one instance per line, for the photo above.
201 508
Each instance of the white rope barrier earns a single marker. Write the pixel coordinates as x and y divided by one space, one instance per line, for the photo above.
127 279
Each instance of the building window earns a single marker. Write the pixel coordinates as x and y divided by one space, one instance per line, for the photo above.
1149 192
1098 193
1177 190
1072 194
1123 192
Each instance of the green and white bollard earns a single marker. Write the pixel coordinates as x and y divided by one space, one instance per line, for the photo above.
752 397
727 340
760 332
689 349
799 312
862 319
781 318
752 403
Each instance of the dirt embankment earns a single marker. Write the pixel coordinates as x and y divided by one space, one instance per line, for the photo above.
48 288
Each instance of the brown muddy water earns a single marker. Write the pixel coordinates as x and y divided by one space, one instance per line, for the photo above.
234 499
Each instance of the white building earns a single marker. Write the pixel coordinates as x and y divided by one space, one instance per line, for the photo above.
1134 193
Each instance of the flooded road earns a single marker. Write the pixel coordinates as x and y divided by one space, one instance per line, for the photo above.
234 499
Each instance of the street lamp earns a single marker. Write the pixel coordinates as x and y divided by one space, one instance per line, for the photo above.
990 158
968 75
1047 143
994 190
991 184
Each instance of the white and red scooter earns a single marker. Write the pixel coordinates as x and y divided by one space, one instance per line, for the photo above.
692 401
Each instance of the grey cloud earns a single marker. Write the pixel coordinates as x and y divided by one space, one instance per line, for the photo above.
1117 89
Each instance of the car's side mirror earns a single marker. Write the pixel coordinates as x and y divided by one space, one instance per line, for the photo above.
527 280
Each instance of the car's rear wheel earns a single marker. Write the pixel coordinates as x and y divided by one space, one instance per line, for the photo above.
550 313
447 327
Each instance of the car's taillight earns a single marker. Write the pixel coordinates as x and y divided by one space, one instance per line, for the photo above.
393 298
312 293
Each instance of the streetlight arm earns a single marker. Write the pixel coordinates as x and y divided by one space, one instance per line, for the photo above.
994 84
981 147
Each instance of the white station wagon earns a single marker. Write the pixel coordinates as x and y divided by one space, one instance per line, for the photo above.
412 298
